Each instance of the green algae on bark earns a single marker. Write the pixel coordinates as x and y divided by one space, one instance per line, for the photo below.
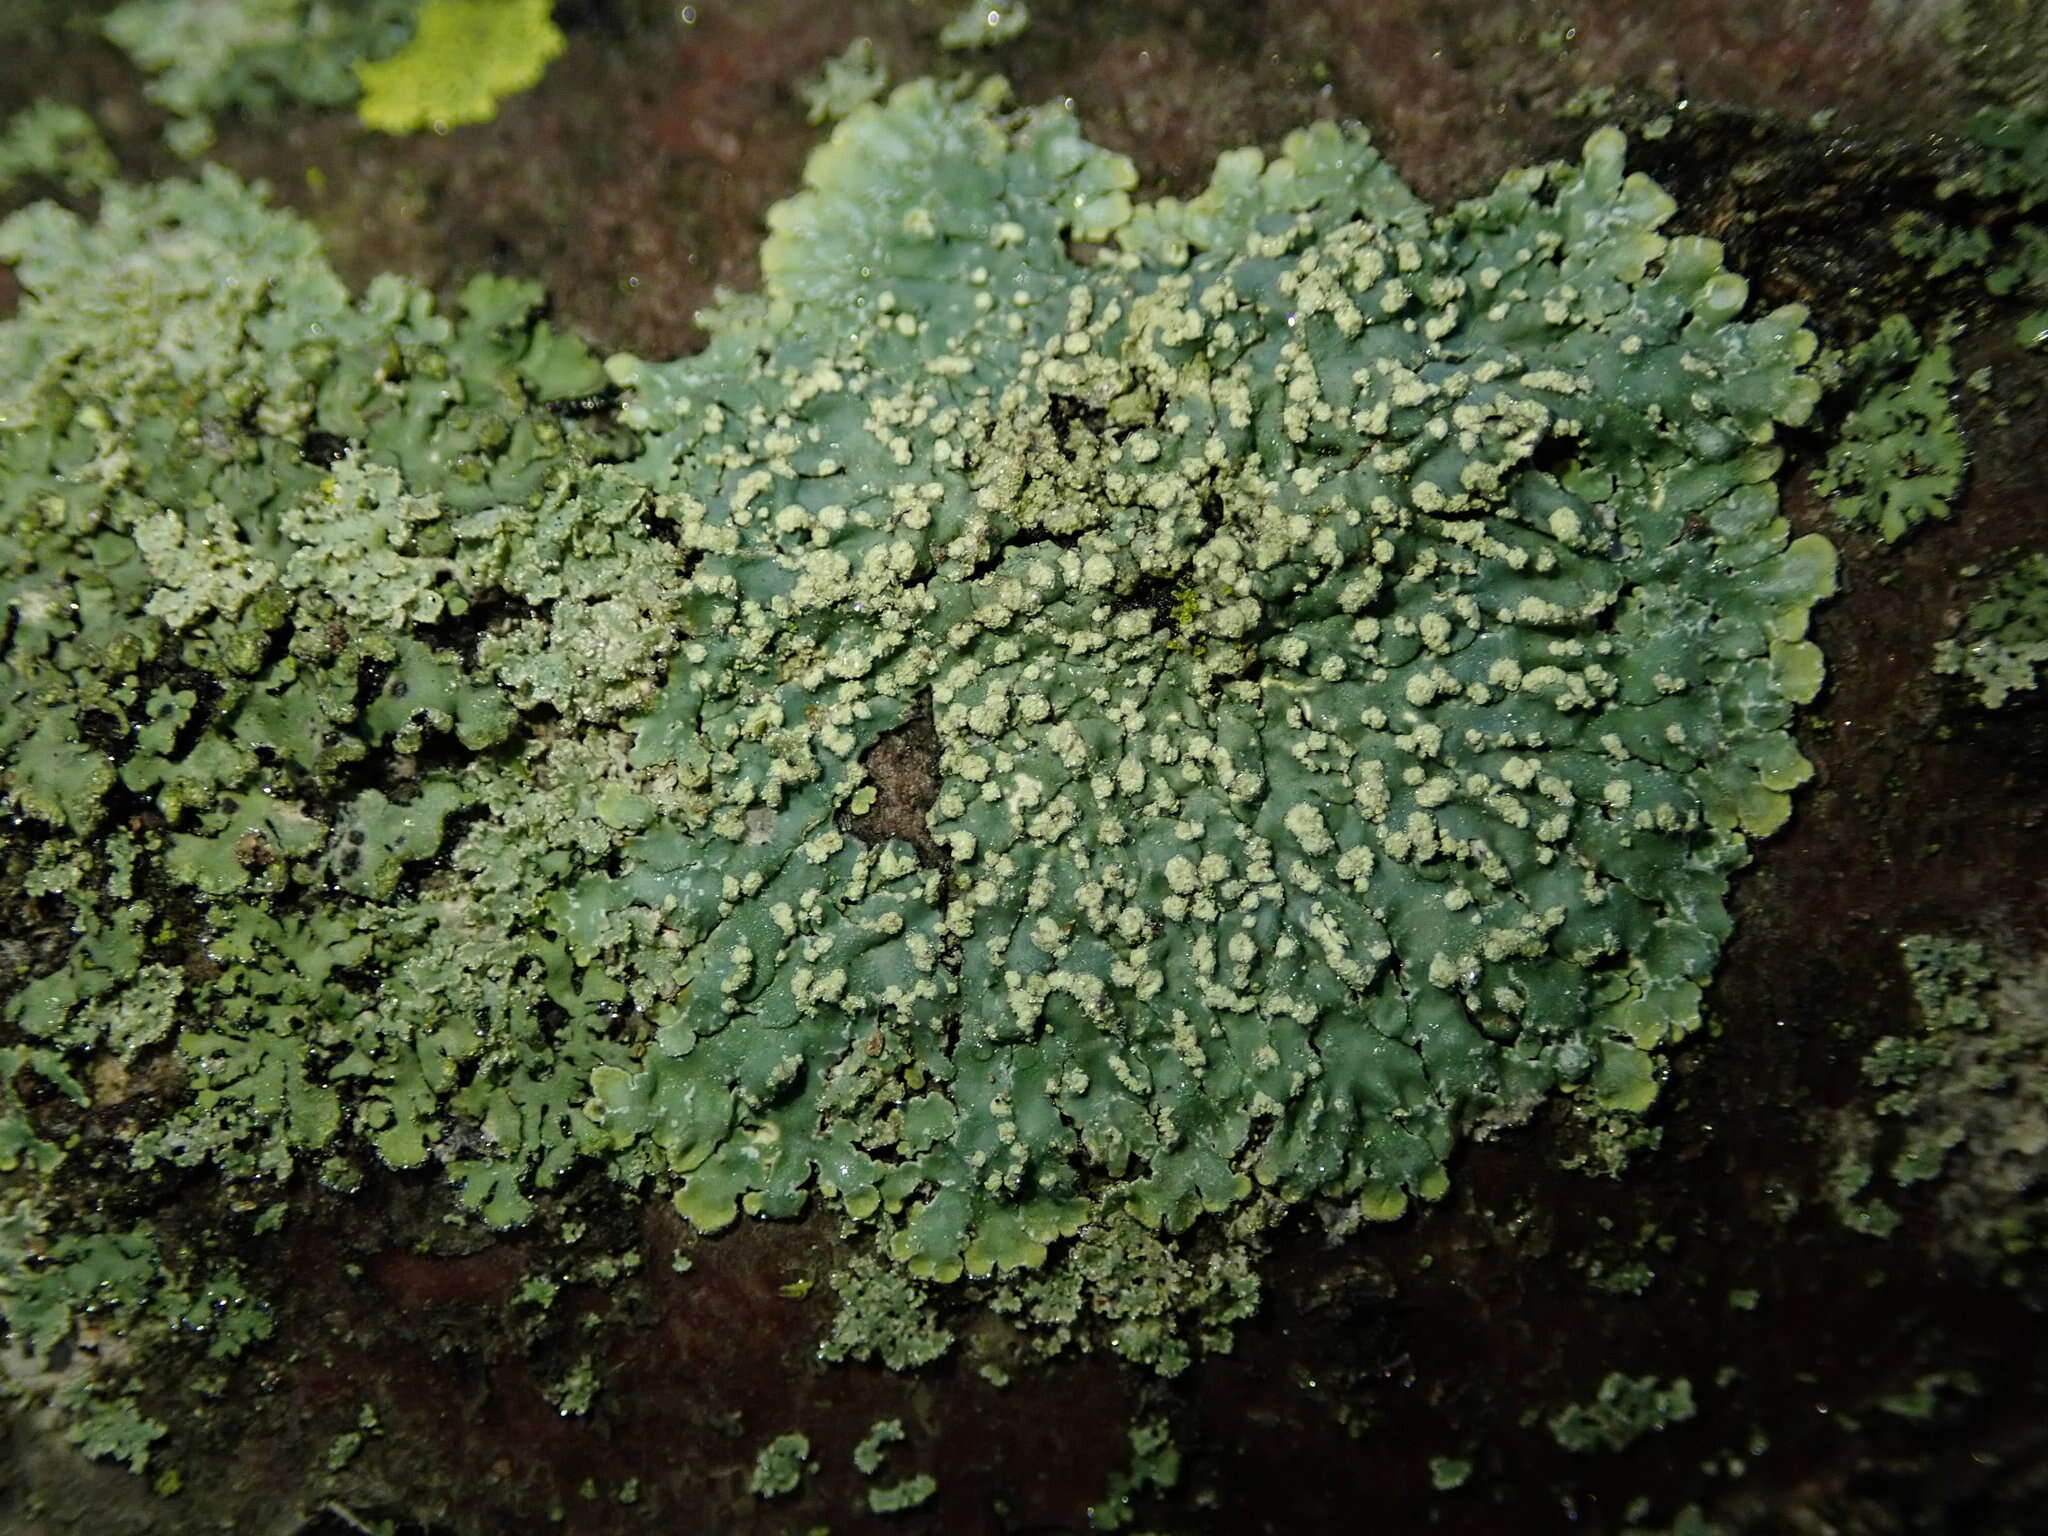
1351 646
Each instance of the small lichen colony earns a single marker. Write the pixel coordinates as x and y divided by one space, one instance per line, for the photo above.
1349 648
210 56
2002 646
465 57
1898 460
1964 1102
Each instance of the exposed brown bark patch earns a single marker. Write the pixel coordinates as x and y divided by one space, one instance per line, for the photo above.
903 768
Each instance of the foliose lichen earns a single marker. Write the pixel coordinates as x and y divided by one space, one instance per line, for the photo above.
210 56
846 81
1449 1473
406 64
1623 1411
1357 644
883 1314
1154 1467
1898 460
83 1307
346 1445
780 1467
2002 647
1147 1298
56 143
895 1498
464 57
874 1445
985 24
1353 648
1961 1104
1994 227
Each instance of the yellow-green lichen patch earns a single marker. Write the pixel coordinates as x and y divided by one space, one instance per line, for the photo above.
573 1394
895 1498
208 445
883 1314
883 1433
83 1308
344 1447
1136 1291
464 58
846 81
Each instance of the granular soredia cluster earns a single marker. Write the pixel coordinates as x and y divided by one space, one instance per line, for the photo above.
1332 655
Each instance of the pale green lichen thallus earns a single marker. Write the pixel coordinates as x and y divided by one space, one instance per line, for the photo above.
1358 643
